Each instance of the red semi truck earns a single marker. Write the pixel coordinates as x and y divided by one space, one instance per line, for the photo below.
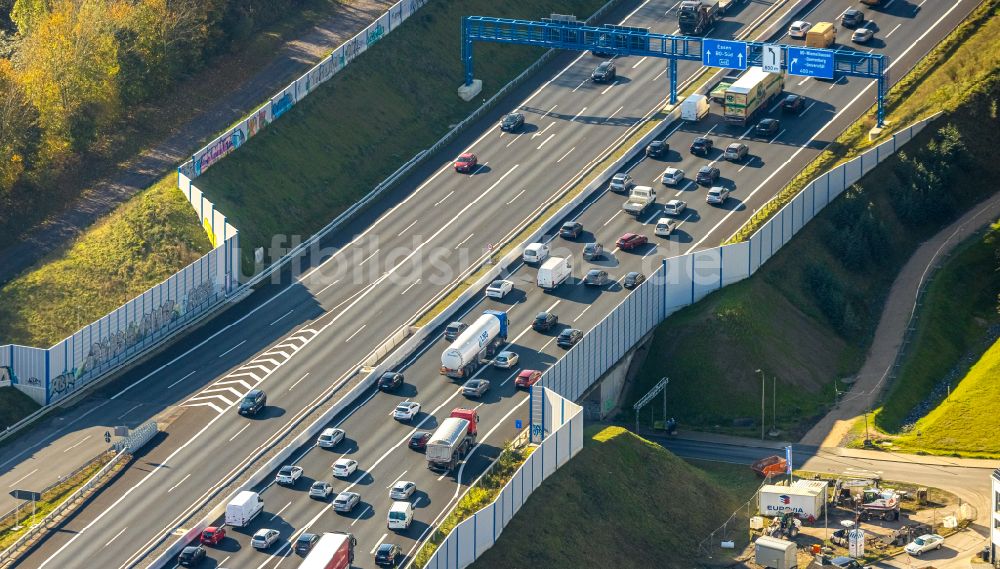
334 550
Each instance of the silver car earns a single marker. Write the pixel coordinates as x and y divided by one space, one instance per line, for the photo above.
621 183
506 360
717 195
402 490
672 176
475 387
264 538
330 437
320 489
345 502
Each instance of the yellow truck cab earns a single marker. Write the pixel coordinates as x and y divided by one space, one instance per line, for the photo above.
822 35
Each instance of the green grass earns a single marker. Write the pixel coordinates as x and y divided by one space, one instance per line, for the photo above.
142 243
966 422
808 316
958 65
960 304
334 147
737 478
621 502
14 406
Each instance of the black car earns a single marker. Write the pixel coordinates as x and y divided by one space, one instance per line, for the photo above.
390 381
545 321
852 18
386 555
569 337
604 73
305 543
191 556
453 330
512 122
657 148
793 103
702 146
418 441
707 175
767 128
253 402
571 230
602 54
633 279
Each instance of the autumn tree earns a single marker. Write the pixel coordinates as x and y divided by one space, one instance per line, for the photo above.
18 133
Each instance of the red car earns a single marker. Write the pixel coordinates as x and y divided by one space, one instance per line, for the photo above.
466 162
213 535
527 378
631 241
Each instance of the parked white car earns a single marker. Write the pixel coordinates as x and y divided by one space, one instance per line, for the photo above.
799 29
344 467
672 176
506 360
406 411
674 207
499 288
330 437
924 543
402 490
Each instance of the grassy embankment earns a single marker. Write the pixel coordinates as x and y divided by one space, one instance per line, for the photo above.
808 315
621 502
334 147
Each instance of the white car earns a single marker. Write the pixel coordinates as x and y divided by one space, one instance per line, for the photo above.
717 195
799 29
924 543
402 490
535 253
674 207
320 489
862 35
345 502
499 289
672 176
665 226
344 467
264 538
288 475
506 360
406 411
330 437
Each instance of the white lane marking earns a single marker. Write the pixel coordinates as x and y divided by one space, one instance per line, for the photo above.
238 432
617 213
464 241
407 289
614 113
748 162
23 477
826 126
546 140
578 114
215 391
800 83
361 515
233 348
549 112
379 542
609 87
579 316
398 478
648 253
565 155
543 349
218 409
278 319
660 74
582 83
369 257
441 201
777 136
400 234
117 535
278 513
223 563
515 140
440 478
322 290
543 131
292 386
133 408
807 109
684 188
510 377
180 380
477 170
887 4
355 334
179 483
638 63
519 194
80 442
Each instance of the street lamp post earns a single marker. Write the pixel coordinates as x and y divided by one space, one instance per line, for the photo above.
762 420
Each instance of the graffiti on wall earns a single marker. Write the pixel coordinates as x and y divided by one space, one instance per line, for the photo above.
8 379
374 34
213 153
257 122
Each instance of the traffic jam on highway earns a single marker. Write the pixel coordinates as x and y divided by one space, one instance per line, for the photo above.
373 485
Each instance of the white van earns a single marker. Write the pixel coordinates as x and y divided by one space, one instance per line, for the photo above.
694 108
400 515
535 253
554 272
243 509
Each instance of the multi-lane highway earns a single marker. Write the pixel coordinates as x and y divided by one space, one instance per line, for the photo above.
302 341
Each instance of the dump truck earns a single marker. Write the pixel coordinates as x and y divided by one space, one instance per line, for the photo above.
639 200
771 466
476 345
449 444
751 94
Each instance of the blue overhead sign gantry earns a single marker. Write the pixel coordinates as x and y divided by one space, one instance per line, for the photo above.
567 33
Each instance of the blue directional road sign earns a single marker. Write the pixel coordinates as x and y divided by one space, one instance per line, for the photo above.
810 62
517 424
721 53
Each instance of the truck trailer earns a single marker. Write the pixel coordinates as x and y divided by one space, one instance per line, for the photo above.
751 94
476 345
334 550
774 553
805 502
449 444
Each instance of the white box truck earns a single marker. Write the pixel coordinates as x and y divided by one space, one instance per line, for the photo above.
554 272
694 108
805 502
774 553
243 509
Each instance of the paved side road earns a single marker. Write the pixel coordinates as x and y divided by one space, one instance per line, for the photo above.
141 171
899 305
